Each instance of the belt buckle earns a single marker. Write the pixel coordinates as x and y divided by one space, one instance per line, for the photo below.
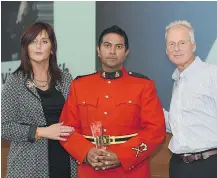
185 158
103 140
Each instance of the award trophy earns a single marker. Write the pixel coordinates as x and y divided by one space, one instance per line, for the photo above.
101 141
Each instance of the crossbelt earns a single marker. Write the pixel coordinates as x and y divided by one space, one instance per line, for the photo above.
108 140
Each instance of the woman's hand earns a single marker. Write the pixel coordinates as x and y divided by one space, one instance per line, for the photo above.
55 131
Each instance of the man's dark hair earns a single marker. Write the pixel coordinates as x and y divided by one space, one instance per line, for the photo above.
117 30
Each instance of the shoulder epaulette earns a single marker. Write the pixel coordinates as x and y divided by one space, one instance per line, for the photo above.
134 74
80 76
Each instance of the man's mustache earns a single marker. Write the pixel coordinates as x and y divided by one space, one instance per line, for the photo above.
111 57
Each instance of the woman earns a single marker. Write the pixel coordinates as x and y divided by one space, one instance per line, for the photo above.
32 100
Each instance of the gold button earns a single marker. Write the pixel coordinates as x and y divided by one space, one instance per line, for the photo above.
84 102
109 81
105 130
106 96
130 101
105 113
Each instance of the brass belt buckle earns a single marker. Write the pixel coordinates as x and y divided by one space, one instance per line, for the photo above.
102 140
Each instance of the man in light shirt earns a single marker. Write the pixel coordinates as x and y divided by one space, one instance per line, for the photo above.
192 118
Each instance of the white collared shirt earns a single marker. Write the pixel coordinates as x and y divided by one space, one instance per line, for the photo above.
192 117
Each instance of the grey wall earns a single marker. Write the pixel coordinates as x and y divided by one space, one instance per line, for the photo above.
144 23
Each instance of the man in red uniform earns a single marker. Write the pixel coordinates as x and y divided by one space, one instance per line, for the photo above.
125 104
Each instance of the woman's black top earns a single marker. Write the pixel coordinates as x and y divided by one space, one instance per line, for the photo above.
59 160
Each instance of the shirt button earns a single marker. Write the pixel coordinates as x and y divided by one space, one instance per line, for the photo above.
130 101
109 81
105 113
106 96
84 102
105 130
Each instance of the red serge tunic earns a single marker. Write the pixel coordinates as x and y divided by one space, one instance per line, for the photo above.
125 103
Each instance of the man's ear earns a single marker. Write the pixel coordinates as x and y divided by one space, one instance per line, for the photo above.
97 49
194 48
127 53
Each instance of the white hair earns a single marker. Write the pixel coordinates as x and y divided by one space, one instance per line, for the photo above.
182 23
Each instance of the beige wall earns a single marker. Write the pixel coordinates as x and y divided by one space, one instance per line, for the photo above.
159 161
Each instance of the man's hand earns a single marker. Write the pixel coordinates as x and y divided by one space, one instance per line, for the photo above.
109 160
92 158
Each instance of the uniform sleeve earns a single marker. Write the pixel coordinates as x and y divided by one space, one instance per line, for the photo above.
76 145
152 132
11 127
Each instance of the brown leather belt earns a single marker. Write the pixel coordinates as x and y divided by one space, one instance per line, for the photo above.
188 158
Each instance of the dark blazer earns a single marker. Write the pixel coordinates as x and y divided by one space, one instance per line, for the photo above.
21 114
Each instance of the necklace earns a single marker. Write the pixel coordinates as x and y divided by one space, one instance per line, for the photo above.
41 80
42 86
34 80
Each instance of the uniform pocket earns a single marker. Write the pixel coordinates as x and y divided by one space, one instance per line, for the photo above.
87 110
127 110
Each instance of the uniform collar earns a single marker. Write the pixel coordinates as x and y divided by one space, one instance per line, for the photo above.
111 75
191 70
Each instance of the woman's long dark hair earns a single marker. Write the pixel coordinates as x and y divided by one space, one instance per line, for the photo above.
27 37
